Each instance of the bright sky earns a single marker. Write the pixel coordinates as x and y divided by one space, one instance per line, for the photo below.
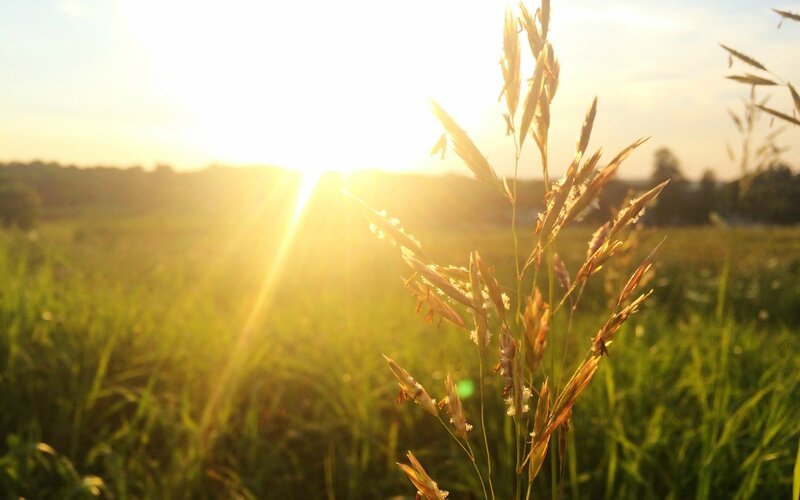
344 84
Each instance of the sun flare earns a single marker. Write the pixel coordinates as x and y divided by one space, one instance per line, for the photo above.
313 87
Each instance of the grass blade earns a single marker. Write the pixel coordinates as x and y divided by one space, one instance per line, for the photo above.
780 115
787 15
796 481
752 79
745 58
795 97
466 149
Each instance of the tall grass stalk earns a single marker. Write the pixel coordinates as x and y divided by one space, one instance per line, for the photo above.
521 334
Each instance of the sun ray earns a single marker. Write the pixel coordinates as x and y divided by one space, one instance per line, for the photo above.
228 379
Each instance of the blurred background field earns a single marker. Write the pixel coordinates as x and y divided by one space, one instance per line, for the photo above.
137 359
176 332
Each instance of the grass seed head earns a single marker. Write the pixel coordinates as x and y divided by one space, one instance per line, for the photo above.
411 389
481 332
598 239
513 390
455 409
561 272
541 440
637 275
634 209
426 487
498 298
384 226
536 321
432 275
562 410
586 131
607 332
428 298
466 149
532 98
510 64
587 169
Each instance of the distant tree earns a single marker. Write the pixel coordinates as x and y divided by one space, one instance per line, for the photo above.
667 167
671 208
163 169
706 197
19 206
772 197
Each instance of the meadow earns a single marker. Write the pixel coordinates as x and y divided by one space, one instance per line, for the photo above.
171 355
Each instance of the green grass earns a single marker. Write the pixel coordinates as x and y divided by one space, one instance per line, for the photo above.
117 331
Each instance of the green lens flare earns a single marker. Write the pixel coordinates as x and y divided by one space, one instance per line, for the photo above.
465 388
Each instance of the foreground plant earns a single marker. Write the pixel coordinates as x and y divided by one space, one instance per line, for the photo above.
514 333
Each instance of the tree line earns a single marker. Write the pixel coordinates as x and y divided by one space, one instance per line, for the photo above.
32 190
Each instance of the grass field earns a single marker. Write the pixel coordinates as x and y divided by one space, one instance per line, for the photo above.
175 357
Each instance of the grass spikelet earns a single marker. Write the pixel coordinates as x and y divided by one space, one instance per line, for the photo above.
466 149
509 368
606 333
562 274
561 414
548 225
553 72
427 298
440 147
785 14
542 409
510 65
597 259
598 239
595 186
542 116
751 79
536 321
455 409
535 39
795 97
426 487
586 131
411 389
637 275
569 395
544 17
532 98
541 441
481 333
744 58
634 209
458 273
611 169
588 167
499 299
736 121
778 114
383 226
431 274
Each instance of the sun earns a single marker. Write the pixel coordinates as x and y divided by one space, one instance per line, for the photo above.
316 86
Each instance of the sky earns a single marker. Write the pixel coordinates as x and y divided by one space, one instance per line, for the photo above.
345 84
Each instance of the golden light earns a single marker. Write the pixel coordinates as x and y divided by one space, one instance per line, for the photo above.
315 87
259 310
318 85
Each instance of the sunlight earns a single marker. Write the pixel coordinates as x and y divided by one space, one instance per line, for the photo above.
259 310
308 185
317 87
